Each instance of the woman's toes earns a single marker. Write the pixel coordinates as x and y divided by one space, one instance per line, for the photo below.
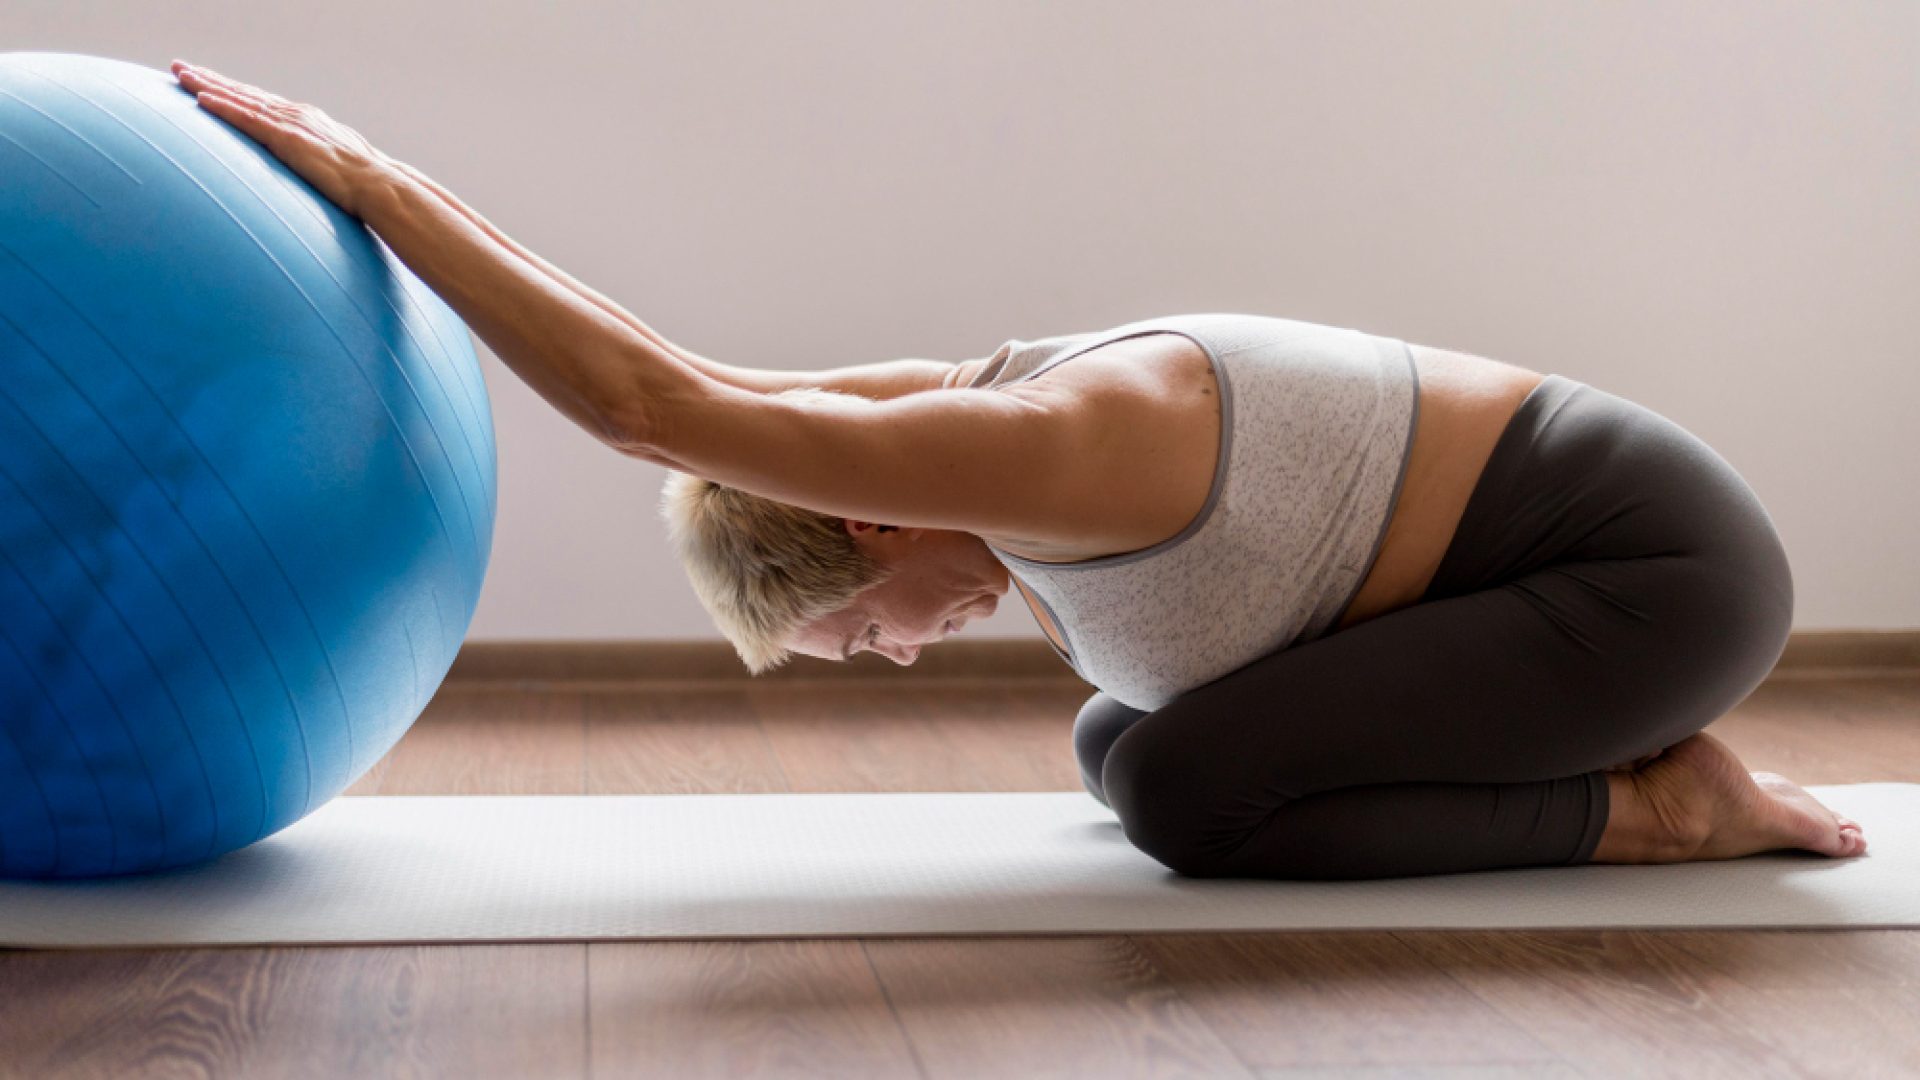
1853 836
1699 785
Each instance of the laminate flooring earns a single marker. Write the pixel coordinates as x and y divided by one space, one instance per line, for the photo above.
1736 1003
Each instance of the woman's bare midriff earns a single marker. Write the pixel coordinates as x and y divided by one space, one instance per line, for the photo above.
1465 403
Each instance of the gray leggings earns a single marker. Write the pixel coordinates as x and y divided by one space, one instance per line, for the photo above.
1614 586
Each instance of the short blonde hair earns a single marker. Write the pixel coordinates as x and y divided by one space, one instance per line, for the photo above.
762 569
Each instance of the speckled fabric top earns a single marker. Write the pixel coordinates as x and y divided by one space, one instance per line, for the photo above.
1316 427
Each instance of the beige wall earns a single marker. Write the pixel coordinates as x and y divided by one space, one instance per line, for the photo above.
1710 208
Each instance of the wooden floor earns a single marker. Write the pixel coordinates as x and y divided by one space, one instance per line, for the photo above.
1366 1004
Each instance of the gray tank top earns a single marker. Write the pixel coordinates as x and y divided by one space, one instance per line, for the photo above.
1316 428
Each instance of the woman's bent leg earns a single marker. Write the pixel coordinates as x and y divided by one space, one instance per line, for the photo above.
1099 724
1462 734
1613 587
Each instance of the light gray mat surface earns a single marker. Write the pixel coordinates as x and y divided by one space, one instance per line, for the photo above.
600 867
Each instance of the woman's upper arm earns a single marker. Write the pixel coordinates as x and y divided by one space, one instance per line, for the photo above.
882 380
1015 462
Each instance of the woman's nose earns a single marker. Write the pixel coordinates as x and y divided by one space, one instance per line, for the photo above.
904 655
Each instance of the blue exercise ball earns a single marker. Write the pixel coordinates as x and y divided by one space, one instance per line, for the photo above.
246 481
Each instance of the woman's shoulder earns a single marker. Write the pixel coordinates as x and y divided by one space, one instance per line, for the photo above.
1018 360
1169 346
1216 332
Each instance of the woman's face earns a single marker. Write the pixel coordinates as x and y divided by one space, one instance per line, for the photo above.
941 580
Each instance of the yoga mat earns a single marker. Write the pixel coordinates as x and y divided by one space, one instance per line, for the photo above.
602 867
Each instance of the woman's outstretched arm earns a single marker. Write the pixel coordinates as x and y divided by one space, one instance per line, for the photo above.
884 379
1025 462
881 380
1034 462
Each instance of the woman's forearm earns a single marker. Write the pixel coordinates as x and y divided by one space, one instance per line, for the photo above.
707 367
580 357
882 380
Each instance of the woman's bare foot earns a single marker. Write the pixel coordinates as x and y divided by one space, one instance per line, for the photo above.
1695 800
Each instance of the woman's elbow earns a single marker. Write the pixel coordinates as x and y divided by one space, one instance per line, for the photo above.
636 415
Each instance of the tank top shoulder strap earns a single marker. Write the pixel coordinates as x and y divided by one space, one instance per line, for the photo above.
1017 361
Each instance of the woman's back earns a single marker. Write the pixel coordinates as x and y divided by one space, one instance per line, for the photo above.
1312 433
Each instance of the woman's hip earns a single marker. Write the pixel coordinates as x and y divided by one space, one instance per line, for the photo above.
1582 475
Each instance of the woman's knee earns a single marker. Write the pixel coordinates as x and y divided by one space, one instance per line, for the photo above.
1101 722
1160 796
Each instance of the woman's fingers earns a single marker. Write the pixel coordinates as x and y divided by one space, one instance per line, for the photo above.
231 109
337 160
208 77
218 103
259 114
269 131
197 79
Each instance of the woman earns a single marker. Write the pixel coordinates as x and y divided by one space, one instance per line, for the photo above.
1357 608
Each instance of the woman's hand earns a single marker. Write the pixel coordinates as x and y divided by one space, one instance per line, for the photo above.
337 160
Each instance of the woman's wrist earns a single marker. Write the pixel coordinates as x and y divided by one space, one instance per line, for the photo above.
376 191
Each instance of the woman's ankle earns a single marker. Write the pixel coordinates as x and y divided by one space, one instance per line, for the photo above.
1636 830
